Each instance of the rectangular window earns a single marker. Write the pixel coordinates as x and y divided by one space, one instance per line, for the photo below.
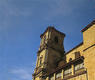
58 75
79 66
67 71
52 78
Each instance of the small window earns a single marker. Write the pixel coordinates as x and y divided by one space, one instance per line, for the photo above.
52 78
45 37
68 71
77 54
56 39
79 66
41 59
70 59
58 75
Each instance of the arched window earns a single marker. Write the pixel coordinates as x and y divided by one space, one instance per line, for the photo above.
77 54
56 39
41 60
70 59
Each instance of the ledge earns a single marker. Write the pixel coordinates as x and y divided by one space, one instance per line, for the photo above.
67 64
51 28
89 47
88 26
77 74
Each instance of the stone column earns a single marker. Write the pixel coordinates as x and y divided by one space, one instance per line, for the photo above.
37 61
54 76
47 78
62 74
73 70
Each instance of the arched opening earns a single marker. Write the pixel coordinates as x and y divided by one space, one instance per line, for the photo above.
56 39
70 59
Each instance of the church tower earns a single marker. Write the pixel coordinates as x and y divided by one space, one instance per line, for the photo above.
50 51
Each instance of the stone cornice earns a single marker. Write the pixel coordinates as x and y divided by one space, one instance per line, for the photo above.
47 46
51 28
88 26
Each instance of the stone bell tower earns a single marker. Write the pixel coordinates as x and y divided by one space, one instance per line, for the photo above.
50 51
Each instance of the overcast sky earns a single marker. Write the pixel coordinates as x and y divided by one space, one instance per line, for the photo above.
22 22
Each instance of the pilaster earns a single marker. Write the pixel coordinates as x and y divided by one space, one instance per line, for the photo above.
54 76
62 74
73 70
47 78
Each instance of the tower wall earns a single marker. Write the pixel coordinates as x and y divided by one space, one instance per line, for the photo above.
50 51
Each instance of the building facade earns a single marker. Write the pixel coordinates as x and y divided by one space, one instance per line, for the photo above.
53 63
